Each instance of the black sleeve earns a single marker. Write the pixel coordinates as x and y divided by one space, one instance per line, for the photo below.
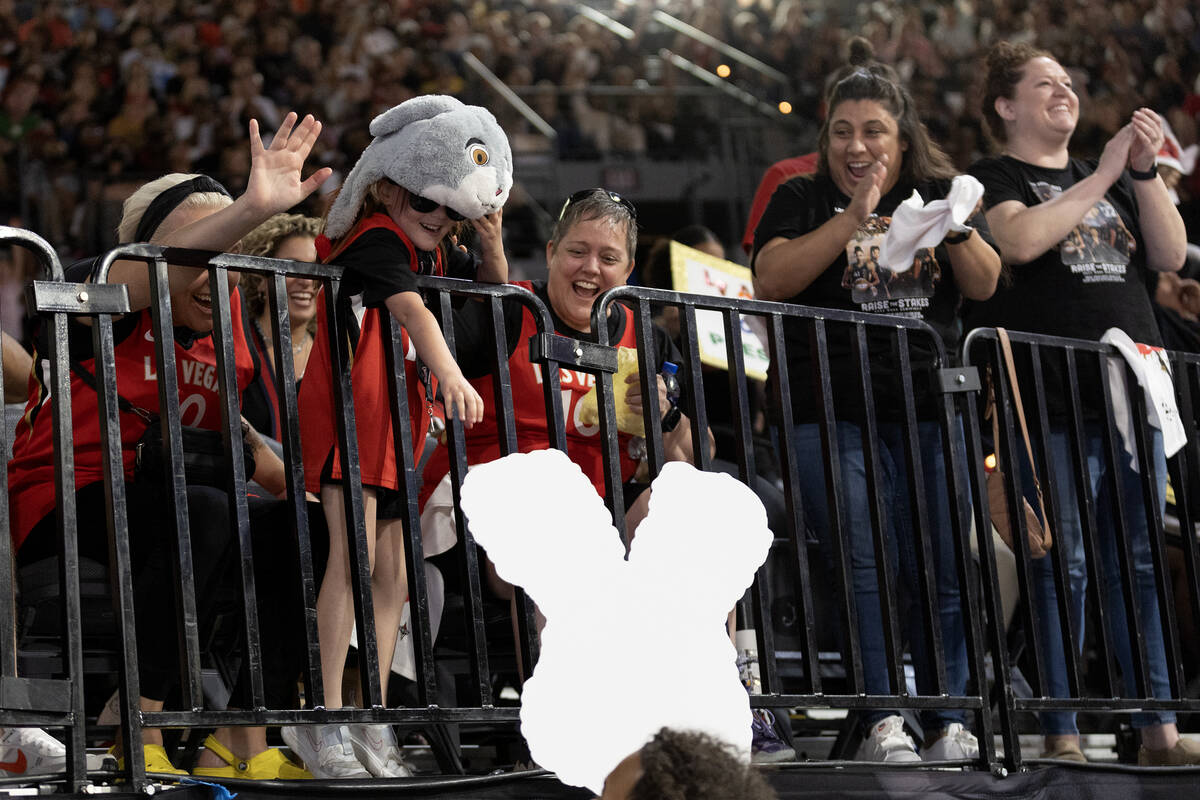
378 264
665 350
788 215
461 263
1000 183
474 343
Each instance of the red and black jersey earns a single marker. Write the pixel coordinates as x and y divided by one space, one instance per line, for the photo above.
368 371
31 471
584 445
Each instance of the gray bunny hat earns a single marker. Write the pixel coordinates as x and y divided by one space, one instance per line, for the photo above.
435 146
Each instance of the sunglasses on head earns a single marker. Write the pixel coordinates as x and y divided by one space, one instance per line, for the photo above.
585 193
423 205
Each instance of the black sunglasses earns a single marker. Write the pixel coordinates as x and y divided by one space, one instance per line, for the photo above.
585 193
423 205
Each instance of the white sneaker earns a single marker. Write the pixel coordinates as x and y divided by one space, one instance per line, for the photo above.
887 741
325 750
957 744
30 751
376 748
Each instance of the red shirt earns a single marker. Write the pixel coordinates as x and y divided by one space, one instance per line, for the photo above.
776 174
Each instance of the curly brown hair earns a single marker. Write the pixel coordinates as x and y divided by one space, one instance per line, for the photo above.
265 241
682 765
1005 67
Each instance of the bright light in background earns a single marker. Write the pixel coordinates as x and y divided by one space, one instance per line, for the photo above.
785 107
989 462
723 70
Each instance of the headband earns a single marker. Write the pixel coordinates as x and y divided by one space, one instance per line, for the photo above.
167 201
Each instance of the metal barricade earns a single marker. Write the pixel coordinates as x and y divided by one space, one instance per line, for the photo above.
1107 522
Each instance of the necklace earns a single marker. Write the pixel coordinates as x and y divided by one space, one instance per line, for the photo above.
298 347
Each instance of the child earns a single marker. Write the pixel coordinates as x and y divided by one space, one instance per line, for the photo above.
434 161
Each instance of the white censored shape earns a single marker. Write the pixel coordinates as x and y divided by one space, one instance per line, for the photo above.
630 646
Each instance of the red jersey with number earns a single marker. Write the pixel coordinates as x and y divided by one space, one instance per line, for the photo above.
584 445
369 377
31 471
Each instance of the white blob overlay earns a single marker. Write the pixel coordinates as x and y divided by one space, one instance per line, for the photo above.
629 647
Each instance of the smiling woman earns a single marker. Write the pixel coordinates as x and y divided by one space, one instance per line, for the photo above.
185 211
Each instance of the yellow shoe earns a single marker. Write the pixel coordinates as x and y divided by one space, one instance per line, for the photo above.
156 760
271 764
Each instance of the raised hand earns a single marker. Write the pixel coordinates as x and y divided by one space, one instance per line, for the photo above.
1116 154
868 190
275 184
1147 139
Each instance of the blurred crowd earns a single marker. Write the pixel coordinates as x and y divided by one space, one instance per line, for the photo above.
96 95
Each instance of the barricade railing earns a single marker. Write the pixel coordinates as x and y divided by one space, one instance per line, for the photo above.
901 380
866 341
1106 518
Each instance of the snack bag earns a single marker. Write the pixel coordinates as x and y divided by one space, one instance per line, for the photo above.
628 421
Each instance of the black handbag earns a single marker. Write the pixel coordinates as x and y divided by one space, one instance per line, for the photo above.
203 450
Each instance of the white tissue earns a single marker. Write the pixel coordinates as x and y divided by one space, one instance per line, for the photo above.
917 224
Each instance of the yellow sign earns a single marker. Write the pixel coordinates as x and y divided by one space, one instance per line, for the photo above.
696 272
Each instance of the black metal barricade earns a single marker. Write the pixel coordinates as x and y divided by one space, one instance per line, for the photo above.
58 701
955 391
927 392
1072 394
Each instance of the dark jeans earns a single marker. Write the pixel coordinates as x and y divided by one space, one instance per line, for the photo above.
216 576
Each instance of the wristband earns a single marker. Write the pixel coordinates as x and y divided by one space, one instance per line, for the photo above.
958 237
1144 175
670 420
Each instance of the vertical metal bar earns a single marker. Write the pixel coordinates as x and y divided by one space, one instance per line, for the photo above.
1039 439
893 648
926 581
356 532
1009 459
182 565
507 431
1183 468
8 641
1157 544
614 494
239 514
476 628
1137 641
1086 503
740 402
289 434
68 540
648 370
788 461
695 405
839 537
120 572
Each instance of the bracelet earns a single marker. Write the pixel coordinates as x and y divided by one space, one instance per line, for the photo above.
1144 175
958 237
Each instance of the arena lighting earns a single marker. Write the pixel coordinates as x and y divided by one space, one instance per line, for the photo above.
723 70
989 463
785 107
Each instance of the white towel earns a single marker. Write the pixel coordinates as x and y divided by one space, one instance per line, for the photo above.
1154 376
917 224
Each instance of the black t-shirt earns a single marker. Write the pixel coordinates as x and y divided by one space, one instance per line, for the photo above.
1092 280
856 281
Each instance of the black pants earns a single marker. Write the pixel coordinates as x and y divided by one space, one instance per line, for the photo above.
216 576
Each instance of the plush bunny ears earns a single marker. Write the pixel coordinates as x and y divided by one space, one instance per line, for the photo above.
434 146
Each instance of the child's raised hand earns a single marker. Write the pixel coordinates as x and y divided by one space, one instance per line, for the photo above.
274 183
460 399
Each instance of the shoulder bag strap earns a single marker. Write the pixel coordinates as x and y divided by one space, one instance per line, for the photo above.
1006 349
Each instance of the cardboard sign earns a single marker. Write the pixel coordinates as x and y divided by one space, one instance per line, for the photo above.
699 273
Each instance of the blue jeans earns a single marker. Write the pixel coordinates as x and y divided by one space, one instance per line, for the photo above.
1069 540
893 482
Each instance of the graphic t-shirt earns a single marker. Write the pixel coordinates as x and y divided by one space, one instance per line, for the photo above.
1092 280
857 281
